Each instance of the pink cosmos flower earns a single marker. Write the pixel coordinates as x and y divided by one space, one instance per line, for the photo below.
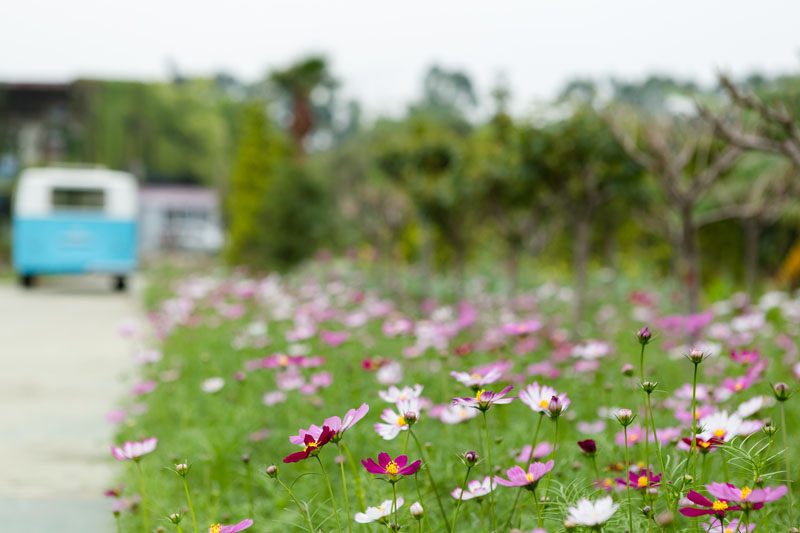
643 479
144 357
312 445
544 368
390 373
273 398
336 424
737 384
717 508
393 423
521 328
334 338
543 449
397 326
517 477
746 495
389 467
483 400
116 416
134 450
145 387
730 527
475 489
220 528
321 379
745 356
483 375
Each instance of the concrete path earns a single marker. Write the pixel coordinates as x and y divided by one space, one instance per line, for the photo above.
61 360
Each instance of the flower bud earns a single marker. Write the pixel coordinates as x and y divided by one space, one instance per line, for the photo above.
588 447
182 469
768 429
160 529
569 524
649 386
627 369
410 417
417 511
696 356
781 391
664 519
625 417
647 511
644 336
175 518
272 471
470 458
240 376
246 458
688 479
555 407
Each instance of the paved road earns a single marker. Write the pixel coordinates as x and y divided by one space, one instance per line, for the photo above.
61 361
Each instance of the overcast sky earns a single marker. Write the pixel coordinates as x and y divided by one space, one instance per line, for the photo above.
380 49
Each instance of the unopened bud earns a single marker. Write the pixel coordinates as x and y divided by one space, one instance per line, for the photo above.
246 458
664 519
649 386
644 336
688 479
175 518
272 471
696 356
470 458
781 391
410 417
569 524
182 469
555 407
647 511
627 369
417 511
625 417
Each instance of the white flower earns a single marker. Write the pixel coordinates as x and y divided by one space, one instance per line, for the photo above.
720 426
416 510
394 395
393 424
390 373
475 489
750 407
377 513
212 385
537 397
454 414
588 513
591 350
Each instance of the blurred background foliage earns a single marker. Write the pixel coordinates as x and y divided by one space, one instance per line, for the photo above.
454 183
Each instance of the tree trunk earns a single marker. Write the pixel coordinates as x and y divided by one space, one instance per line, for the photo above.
580 259
752 230
690 259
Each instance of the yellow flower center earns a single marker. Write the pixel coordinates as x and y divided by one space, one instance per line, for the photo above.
746 492
641 482
738 387
719 506
543 404
703 444
529 476
640 464
214 528
380 508
633 437
719 433
697 414
607 482
391 468
310 446
475 376
480 393
283 361
401 421
728 530
463 414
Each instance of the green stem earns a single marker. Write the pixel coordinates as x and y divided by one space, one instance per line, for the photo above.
724 466
628 480
644 404
538 512
330 491
693 444
144 496
356 476
786 457
249 491
394 501
513 509
119 525
461 496
491 472
344 487
419 498
430 478
535 437
191 507
405 443
299 507
552 458
594 467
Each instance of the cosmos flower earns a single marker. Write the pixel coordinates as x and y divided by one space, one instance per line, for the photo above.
455 414
643 479
537 397
379 513
592 513
718 508
393 423
731 527
475 489
394 395
134 450
517 477
720 426
521 328
392 468
703 446
212 385
484 375
746 495
483 400
312 446
543 449
737 384
220 528
336 424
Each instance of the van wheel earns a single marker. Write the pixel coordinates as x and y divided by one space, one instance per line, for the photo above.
120 283
27 281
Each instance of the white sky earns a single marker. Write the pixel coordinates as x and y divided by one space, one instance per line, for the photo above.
380 49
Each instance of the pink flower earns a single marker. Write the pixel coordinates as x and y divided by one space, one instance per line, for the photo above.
220 528
737 384
334 338
321 379
483 375
726 491
521 328
543 449
134 450
483 400
643 480
145 387
116 416
391 468
475 489
517 477
273 398
337 425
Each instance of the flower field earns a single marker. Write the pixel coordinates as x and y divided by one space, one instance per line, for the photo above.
323 401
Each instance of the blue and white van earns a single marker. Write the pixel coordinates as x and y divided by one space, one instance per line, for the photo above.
73 220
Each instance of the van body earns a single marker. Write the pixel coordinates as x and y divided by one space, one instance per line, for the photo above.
74 220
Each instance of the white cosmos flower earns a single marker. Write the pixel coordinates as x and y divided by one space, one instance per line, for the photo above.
454 414
750 407
720 425
393 424
377 513
212 385
475 489
588 513
394 395
537 397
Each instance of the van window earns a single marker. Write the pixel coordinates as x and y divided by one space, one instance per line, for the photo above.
78 199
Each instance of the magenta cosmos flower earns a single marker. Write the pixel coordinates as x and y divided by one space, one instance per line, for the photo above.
391 467
312 446
746 496
134 450
643 480
220 528
717 508
336 424
517 477
484 399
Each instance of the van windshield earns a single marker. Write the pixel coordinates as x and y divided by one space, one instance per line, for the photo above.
78 199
